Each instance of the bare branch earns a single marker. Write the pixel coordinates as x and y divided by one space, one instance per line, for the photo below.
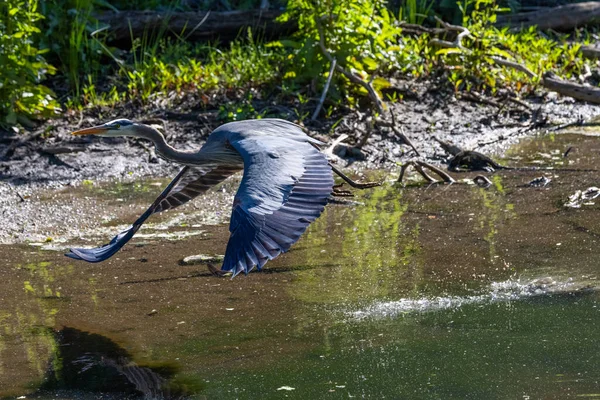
463 32
400 133
420 166
325 89
441 173
514 65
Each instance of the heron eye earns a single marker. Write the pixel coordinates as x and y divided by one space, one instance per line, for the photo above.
116 126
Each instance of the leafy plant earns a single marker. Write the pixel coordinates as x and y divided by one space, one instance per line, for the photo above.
68 29
22 96
238 111
472 67
360 34
179 68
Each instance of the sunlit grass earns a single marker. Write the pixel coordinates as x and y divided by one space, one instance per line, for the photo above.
174 69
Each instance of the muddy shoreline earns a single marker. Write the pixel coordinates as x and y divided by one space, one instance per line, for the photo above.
49 163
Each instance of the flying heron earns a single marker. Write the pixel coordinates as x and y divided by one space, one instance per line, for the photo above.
286 184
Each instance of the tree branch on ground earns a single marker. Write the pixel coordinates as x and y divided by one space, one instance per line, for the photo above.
125 26
562 18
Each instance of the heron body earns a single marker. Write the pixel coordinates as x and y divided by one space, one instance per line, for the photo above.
285 186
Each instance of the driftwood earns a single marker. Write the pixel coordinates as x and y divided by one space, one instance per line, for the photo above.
560 18
576 91
125 25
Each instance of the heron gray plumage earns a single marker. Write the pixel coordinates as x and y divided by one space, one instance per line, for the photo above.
286 184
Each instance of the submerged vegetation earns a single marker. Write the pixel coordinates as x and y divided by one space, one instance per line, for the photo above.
60 45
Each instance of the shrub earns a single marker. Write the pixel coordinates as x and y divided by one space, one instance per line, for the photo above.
23 66
361 35
472 68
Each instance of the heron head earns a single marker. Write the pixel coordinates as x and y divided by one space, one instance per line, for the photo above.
118 127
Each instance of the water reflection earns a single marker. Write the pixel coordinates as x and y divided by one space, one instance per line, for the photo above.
495 211
27 309
374 252
91 363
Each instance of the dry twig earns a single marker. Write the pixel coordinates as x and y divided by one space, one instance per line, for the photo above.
400 133
420 166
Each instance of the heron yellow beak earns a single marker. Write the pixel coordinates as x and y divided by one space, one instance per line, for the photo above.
91 131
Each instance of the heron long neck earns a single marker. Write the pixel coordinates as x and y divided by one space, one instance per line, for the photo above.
166 151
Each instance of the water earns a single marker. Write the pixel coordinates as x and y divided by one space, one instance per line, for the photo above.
422 292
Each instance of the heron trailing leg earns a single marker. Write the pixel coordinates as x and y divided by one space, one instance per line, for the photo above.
354 184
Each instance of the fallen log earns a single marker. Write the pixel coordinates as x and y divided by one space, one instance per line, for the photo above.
591 51
561 18
124 26
585 93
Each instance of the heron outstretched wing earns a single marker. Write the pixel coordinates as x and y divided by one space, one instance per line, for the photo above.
285 187
194 183
189 183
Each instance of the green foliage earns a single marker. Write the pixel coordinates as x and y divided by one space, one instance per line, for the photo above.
68 35
363 36
360 34
472 67
238 111
174 68
23 66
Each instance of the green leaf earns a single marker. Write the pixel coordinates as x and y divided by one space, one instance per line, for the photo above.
381 83
449 50
501 53
370 64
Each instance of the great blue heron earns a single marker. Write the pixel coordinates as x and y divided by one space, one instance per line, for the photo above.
285 187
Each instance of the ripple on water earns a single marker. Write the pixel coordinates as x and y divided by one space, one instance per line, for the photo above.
508 290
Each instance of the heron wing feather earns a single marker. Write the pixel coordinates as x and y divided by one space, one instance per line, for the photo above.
285 187
196 182
189 183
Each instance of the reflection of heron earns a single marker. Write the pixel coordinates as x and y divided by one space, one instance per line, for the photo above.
286 185
87 363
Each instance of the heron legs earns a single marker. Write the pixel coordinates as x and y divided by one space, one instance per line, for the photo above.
354 184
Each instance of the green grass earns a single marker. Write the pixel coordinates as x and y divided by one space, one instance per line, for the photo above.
173 69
